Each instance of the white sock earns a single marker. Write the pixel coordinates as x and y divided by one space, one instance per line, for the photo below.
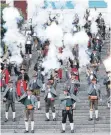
72 126
74 105
30 55
91 114
6 115
108 105
96 113
43 88
47 115
64 126
32 125
53 115
38 104
13 115
26 126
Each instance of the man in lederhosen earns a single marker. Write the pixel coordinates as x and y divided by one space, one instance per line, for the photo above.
50 95
9 98
30 102
73 86
35 85
95 60
94 95
67 101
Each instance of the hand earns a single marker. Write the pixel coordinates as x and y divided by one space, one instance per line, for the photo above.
100 100
68 96
35 109
4 99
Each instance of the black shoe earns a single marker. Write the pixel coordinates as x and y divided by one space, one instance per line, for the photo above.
26 131
63 131
54 119
47 120
72 131
97 119
39 108
14 120
32 131
90 119
6 119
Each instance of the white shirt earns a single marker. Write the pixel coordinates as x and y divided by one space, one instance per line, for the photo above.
34 81
94 86
28 96
49 94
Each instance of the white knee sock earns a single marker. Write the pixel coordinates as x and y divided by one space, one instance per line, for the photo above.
108 105
91 114
64 126
32 125
43 87
6 115
96 113
26 125
74 105
47 115
13 115
30 55
72 126
38 104
53 115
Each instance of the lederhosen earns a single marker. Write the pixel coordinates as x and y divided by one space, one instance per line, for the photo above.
49 103
93 100
68 111
36 90
9 101
29 112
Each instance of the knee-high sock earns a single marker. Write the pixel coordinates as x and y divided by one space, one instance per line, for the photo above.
26 125
30 55
91 114
96 113
6 115
47 115
64 126
38 104
53 115
108 105
72 126
13 115
32 125
74 105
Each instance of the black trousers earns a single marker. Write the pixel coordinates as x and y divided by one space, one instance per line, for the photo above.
66 113
28 49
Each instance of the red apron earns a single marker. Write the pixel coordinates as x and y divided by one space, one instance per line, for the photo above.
60 73
18 88
7 76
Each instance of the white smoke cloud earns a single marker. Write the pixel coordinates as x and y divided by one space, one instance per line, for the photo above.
107 64
13 37
94 28
55 34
